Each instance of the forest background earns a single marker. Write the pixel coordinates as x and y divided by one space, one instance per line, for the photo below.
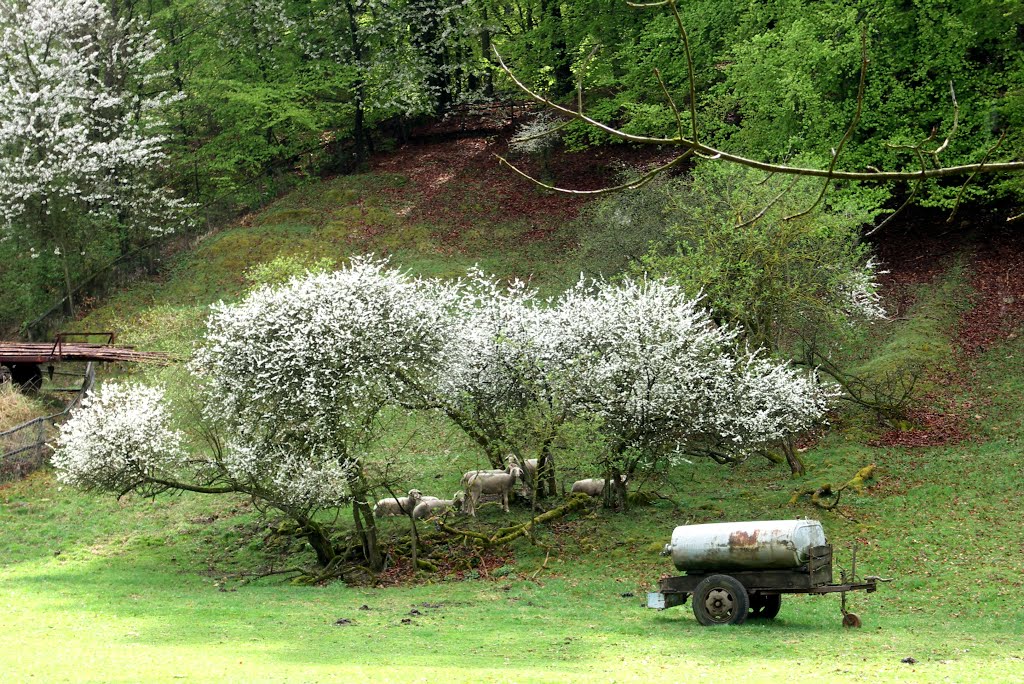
251 97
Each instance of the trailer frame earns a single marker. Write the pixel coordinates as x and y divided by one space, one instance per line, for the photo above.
761 589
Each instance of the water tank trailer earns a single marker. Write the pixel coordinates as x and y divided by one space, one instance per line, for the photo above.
739 571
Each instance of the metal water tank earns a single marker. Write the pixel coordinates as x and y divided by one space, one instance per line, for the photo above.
753 545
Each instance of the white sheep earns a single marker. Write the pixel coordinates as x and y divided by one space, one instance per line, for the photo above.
593 486
403 505
479 482
430 505
530 473
530 468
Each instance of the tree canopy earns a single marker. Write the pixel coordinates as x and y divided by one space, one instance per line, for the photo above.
226 102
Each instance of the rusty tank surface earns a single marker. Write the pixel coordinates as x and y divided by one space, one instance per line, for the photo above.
753 545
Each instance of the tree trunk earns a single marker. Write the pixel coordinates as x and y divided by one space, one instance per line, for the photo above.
319 540
366 525
485 49
621 499
546 473
426 33
552 9
359 137
415 543
796 465
69 302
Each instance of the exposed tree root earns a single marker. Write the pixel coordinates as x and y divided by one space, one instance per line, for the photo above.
827 496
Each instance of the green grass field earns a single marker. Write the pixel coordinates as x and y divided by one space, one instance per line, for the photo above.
100 590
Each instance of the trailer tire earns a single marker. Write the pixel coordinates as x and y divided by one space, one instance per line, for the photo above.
764 606
720 600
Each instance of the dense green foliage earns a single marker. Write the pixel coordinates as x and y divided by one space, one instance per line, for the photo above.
267 92
722 233
779 80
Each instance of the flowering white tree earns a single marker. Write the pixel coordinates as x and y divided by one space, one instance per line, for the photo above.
296 377
490 370
660 378
121 439
640 362
79 138
299 376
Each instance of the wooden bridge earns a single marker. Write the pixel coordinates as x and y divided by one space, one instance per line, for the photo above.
23 359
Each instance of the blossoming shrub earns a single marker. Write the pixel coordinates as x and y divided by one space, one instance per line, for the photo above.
298 373
296 378
492 368
652 365
640 363
82 144
119 440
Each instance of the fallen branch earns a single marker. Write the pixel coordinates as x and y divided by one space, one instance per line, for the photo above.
505 535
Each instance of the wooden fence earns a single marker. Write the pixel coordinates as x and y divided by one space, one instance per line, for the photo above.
25 447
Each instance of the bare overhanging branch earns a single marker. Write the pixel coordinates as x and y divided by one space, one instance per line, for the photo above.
631 185
693 146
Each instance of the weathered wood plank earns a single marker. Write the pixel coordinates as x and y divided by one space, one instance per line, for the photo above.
48 352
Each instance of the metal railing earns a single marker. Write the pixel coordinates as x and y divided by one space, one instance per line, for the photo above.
24 448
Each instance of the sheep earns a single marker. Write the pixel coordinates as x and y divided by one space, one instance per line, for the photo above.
530 468
431 505
479 482
402 505
592 486
530 473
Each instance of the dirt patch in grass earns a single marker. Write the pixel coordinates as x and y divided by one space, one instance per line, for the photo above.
997 277
458 183
931 428
917 253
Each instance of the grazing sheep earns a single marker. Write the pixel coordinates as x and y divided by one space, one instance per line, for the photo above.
403 505
530 473
430 505
530 468
479 482
593 486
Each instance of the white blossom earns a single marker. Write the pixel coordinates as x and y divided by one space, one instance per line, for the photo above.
857 293
652 365
641 358
120 437
536 135
74 144
299 372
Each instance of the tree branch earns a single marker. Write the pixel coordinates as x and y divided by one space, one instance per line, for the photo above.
693 146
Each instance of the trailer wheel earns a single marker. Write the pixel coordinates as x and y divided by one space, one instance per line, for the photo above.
764 606
720 600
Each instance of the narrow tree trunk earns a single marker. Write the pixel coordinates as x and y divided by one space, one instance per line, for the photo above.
562 67
485 48
622 500
69 302
796 465
359 137
415 542
366 525
320 542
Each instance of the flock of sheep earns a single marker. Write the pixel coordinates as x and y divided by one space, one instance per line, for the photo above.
476 484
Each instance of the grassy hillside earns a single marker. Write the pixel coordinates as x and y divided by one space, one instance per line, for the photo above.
103 590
